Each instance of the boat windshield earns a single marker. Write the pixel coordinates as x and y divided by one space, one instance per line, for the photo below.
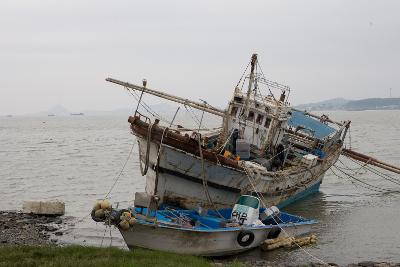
249 201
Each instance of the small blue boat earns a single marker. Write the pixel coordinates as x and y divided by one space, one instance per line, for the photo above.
205 233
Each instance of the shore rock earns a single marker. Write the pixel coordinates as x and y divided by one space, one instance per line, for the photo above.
50 207
26 229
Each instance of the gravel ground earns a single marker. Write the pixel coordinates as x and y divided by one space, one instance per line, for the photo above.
29 229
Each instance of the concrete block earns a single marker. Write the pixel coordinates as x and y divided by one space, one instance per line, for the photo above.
48 207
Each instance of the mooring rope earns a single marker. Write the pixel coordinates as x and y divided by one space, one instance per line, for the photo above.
120 173
261 197
353 182
371 187
226 142
244 72
192 115
81 219
377 172
146 161
147 107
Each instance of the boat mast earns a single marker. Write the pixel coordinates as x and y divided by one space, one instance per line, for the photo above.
251 80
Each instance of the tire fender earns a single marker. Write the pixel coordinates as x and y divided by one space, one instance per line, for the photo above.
245 238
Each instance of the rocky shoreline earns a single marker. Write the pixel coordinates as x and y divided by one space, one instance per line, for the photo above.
18 228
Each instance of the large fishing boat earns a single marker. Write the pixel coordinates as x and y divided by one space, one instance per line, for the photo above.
263 145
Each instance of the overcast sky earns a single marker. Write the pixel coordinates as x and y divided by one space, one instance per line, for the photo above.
54 52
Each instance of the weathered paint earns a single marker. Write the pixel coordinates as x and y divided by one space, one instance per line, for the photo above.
301 195
202 242
180 180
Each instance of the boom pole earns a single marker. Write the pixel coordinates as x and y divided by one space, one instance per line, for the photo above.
177 99
369 160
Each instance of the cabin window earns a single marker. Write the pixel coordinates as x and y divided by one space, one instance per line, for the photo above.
259 118
234 111
251 116
267 122
238 99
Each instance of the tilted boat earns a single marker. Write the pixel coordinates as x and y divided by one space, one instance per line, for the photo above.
264 145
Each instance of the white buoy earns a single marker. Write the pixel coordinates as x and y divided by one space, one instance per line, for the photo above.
124 225
97 205
105 204
132 221
99 214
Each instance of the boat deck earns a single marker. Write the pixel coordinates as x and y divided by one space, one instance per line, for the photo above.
191 220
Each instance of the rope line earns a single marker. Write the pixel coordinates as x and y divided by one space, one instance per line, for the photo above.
244 72
81 219
120 173
371 187
148 108
146 162
269 89
261 197
377 172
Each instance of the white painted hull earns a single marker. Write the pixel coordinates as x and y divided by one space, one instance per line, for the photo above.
180 180
202 243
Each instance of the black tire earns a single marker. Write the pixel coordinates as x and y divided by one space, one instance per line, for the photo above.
274 233
245 238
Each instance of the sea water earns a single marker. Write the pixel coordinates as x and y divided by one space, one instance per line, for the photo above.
78 159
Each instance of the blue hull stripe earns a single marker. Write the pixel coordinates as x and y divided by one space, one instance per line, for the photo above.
303 194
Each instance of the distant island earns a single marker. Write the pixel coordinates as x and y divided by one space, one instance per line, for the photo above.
167 110
359 105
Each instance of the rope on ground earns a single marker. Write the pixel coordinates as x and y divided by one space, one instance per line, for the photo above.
110 236
104 235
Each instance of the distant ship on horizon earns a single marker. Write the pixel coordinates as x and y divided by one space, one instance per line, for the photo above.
77 114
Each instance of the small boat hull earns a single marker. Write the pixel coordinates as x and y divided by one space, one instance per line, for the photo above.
209 242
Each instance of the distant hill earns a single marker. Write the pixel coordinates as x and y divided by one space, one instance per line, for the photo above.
362 104
58 110
331 104
373 104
